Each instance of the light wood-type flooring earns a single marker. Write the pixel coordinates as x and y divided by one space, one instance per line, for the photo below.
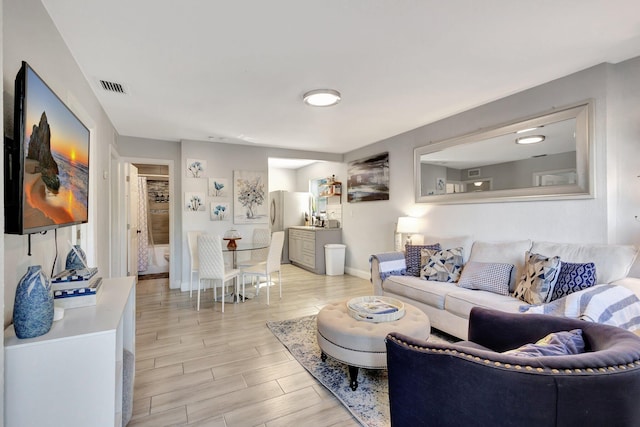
207 368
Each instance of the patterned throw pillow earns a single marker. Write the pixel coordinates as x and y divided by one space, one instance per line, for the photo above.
412 257
555 344
539 277
574 277
486 276
441 266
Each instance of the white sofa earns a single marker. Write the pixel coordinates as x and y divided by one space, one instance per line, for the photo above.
448 305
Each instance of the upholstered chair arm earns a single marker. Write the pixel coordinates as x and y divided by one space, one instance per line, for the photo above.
606 345
454 384
502 331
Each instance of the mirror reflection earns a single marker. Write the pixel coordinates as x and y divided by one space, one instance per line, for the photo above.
546 156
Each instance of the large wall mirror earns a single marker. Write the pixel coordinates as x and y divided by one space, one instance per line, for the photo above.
542 157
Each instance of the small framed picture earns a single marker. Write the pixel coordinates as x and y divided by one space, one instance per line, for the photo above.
194 201
473 173
218 187
441 185
196 168
220 211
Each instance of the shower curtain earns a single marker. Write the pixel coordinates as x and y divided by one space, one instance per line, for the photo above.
143 212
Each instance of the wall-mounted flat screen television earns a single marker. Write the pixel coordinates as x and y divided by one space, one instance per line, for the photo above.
46 163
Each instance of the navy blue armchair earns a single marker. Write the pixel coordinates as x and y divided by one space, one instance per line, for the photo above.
471 383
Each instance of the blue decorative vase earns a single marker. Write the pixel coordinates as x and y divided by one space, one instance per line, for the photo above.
33 307
76 259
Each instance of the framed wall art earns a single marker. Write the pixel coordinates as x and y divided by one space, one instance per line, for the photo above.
194 201
250 198
220 211
196 168
219 188
368 179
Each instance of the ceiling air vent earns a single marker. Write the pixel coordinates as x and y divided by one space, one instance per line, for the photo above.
112 87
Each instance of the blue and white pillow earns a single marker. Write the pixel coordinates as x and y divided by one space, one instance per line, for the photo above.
574 277
539 277
441 266
486 276
555 344
412 257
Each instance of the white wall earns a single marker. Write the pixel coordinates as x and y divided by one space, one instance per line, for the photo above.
623 154
282 179
368 226
30 35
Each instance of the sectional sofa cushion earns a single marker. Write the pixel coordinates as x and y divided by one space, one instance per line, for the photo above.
464 242
424 291
504 252
539 278
461 301
612 262
488 276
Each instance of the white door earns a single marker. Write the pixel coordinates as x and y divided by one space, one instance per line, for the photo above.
132 199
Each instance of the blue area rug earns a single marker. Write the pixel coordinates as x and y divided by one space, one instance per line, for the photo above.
369 404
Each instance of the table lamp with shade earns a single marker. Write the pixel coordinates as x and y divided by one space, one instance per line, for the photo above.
410 226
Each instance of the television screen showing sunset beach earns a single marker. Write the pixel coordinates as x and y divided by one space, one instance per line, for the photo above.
56 160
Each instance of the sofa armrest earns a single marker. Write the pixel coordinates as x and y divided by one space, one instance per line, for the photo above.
382 265
631 283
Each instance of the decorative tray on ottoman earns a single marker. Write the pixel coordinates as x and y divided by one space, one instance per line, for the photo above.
375 309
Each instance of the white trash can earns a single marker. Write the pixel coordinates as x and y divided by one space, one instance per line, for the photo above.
334 258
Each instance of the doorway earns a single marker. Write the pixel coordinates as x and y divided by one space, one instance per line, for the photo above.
154 220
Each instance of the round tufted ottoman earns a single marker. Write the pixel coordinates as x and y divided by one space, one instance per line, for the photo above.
361 344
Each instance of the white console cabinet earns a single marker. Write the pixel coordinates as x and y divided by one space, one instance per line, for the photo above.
72 375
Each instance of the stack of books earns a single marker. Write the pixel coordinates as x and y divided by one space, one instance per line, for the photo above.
74 275
374 306
79 288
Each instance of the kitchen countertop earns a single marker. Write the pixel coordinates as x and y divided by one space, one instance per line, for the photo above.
312 228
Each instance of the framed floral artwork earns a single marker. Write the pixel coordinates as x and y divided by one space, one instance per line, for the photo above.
196 168
250 198
219 187
220 211
194 201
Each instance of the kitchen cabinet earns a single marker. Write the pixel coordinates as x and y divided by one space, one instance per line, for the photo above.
306 246
73 374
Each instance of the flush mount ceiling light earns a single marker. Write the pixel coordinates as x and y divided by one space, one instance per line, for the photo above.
322 97
532 139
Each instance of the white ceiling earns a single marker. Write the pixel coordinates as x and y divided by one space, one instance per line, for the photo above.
236 70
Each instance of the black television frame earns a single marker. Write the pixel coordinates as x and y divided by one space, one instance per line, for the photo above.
14 162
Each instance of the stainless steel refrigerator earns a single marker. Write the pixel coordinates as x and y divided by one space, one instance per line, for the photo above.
287 209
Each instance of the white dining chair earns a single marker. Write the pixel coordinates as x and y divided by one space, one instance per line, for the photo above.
260 236
192 240
212 268
266 269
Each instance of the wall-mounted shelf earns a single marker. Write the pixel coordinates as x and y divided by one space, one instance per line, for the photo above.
331 189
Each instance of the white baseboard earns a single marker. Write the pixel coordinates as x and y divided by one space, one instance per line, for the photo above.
358 273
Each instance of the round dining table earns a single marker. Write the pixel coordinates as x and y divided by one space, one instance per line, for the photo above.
241 247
